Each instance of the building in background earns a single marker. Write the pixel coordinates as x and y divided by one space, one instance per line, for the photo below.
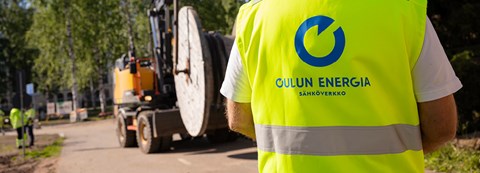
40 100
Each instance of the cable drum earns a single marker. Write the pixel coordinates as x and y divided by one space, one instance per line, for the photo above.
194 82
220 56
205 57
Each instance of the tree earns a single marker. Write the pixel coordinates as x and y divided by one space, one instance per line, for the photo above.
468 97
88 42
85 44
46 35
15 54
71 51
51 32
216 15
456 23
102 40
231 8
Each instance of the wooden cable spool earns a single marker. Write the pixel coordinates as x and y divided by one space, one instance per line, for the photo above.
202 61
194 86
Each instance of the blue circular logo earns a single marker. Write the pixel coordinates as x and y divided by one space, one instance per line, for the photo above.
323 23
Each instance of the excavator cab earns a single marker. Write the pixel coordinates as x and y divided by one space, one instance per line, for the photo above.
134 81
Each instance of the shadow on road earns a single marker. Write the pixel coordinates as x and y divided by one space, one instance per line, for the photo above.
98 148
203 146
72 143
246 156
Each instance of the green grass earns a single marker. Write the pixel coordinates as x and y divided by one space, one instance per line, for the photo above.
50 151
452 159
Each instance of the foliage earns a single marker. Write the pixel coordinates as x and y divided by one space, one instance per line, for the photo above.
47 34
457 26
50 151
456 23
451 159
141 28
467 69
15 20
97 29
216 15
100 35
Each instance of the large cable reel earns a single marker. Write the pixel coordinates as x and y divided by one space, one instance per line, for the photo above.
200 64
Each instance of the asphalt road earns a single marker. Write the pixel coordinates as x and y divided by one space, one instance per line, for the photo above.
92 147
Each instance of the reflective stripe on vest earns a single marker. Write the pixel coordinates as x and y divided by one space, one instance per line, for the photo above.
326 141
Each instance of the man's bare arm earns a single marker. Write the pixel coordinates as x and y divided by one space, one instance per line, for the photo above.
438 122
240 118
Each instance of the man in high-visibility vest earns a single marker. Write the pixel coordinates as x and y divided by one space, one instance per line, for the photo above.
29 119
340 86
16 122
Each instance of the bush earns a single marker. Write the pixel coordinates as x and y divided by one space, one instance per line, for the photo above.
451 159
468 98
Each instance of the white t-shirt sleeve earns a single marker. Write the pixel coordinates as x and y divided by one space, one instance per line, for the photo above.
236 85
433 76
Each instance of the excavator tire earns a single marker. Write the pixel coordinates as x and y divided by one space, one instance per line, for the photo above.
145 138
126 137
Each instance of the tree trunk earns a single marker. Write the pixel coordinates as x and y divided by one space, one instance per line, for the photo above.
101 90
47 100
101 73
71 54
101 94
130 32
92 95
9 88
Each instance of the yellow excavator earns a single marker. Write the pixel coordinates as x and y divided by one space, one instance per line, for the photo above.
177 90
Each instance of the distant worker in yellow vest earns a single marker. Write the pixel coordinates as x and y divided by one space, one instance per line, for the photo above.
16 121
340 86
30 117
2 114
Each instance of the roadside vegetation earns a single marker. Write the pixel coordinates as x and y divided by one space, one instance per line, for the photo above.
453 159
50 151
42 157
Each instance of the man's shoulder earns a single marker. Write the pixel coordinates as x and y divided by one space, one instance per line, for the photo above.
248 8
30 111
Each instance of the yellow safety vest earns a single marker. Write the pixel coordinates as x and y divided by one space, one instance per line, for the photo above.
16 118
331 83
29 116
1 118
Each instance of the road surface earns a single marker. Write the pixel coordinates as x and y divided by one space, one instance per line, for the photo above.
92 147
